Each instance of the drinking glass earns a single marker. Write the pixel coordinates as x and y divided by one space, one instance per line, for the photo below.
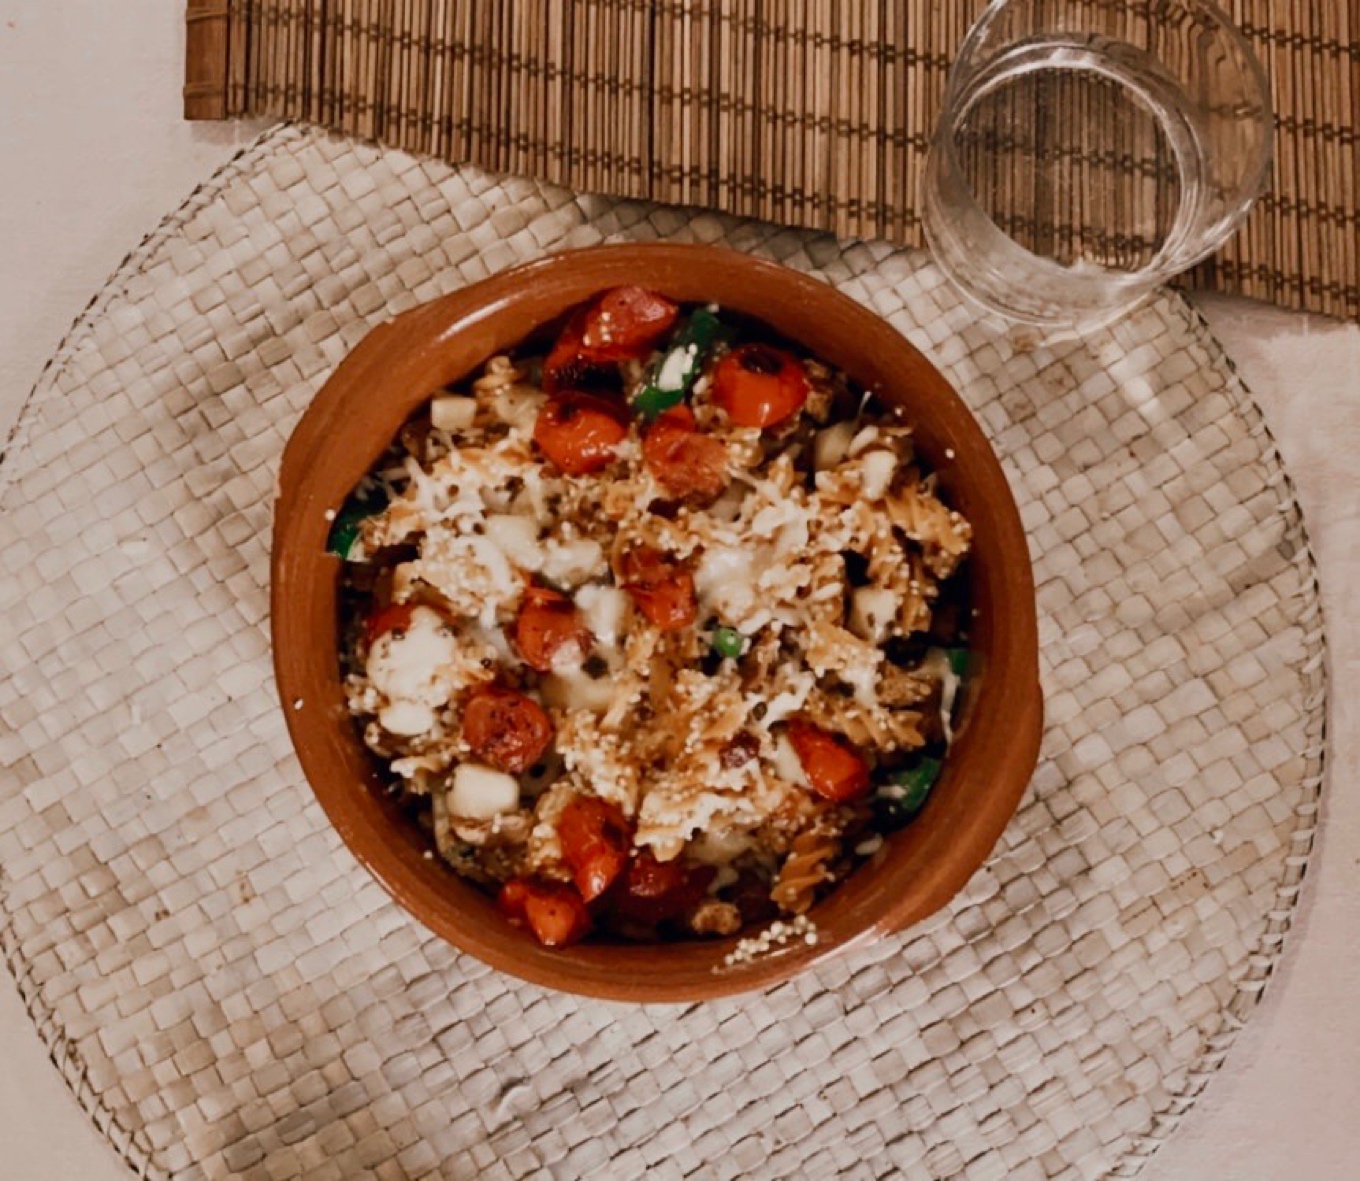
1088 150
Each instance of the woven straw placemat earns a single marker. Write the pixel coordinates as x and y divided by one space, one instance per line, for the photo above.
814 113
229 993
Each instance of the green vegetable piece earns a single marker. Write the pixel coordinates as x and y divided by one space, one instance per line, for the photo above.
918 781
679 365
958 660
703 329
728 642
897 802
344 533
652 402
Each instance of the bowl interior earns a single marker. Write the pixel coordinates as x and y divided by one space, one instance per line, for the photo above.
401 363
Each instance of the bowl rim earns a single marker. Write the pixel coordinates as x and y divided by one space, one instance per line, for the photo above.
299 565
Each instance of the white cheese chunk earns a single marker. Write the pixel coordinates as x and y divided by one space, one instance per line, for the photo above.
481 793
872 611
452 412
830 445
406 718
407 665
570 563
787 765
866 435
725 583
604 609
517 538
877 469
674 367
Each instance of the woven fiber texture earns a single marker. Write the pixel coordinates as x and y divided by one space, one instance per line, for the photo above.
809 112
230 994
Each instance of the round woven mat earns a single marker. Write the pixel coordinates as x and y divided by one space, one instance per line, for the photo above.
229 993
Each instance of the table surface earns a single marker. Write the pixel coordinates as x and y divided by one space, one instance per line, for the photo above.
94 154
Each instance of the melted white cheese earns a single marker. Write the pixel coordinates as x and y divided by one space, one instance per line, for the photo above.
605 609
877 470
481 793
517 538
570 563
406 666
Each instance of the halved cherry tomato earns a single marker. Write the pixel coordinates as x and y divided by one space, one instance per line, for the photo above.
759 385
566 366
626 322
546 622
505 728
555 913
836 771
654 891
662 589
685 461
578 432
622 323
595 837
395 617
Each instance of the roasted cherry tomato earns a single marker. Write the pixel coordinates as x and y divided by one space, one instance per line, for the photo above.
595 837
566 366
578 432
555 913
621 324
514 894
836 771
626 322
685 462
506 729
654 891
547 621
395 617
662 589
759 385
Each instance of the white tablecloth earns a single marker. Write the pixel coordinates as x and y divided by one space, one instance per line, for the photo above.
92 153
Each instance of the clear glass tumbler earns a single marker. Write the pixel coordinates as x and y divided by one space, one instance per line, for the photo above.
1088 150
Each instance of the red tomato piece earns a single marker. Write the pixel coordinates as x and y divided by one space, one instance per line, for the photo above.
759 385
395 617
514 894
655 891
554 912
578 432
662 589
685 461
567 367
623 323
506 728
595 837
626 322
836 771
548 621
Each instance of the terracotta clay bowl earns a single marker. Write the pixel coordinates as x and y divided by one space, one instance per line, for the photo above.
402 362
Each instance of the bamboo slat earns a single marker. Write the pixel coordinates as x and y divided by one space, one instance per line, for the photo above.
810 112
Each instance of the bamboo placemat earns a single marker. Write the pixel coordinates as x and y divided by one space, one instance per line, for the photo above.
230 994
813 113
